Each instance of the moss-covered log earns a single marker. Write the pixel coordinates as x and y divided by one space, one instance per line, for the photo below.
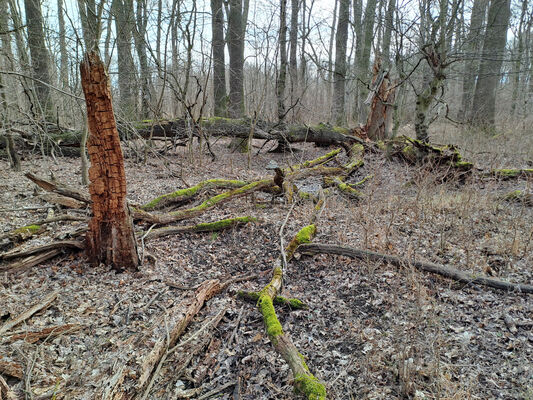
512 173
415 151
182 196
305 382
206 205
203 227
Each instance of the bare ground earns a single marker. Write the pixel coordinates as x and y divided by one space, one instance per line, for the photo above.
372 331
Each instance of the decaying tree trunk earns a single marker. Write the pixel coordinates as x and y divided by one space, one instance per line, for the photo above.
110 238
381 99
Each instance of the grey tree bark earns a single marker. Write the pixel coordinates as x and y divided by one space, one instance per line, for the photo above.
389 20
339 85
363 68
124 24
219 63
293 49
139 35
235 39
39 55
472 48
282 73
484 107
63 54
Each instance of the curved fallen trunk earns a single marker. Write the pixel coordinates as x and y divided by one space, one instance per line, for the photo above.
443 270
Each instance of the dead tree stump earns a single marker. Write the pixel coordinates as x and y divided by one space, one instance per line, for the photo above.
110 238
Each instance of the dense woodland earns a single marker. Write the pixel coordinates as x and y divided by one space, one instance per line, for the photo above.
276 199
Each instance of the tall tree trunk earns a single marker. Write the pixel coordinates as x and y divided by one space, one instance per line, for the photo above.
341 41
91 22
63 54
282 74
293 46
219 63
330 53
124 23
110 238
235 40
363 69
472 48
140 45
518 55
39 55
490 69
389 19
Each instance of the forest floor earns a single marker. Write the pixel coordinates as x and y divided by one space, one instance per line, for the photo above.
372 330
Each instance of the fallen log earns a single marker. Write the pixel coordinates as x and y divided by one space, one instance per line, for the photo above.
52 331
56 187
182 196
45 303
443 270
202 227
10 368
512 173
62 244
30 261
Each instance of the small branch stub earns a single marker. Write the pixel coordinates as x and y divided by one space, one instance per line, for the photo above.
110 238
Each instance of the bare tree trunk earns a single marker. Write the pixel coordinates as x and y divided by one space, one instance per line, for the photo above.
39 55
124 23
363 69
140 44
293 46
219 63
110 238
282 74
518 55
389 18
472 46
63 54
235 40
484 107
341 41
330 53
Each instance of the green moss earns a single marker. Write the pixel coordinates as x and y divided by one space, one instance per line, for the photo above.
341 130
222 224
514 195
31 229
464 165
321 160
310 387
212 201
381 145
272 323
409 152
306 234
512 173
187 193
353 165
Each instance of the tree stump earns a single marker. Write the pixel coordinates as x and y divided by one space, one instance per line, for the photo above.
110 238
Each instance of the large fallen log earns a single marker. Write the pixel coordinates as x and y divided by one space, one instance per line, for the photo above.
443 270
182 128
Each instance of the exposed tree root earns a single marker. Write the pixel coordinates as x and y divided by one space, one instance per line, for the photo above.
448 272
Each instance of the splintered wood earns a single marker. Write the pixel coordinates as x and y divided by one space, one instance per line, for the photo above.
110 238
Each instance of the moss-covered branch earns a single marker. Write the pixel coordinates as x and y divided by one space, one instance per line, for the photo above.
204 206
203 227
512 173
305 382
305 235
181 196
